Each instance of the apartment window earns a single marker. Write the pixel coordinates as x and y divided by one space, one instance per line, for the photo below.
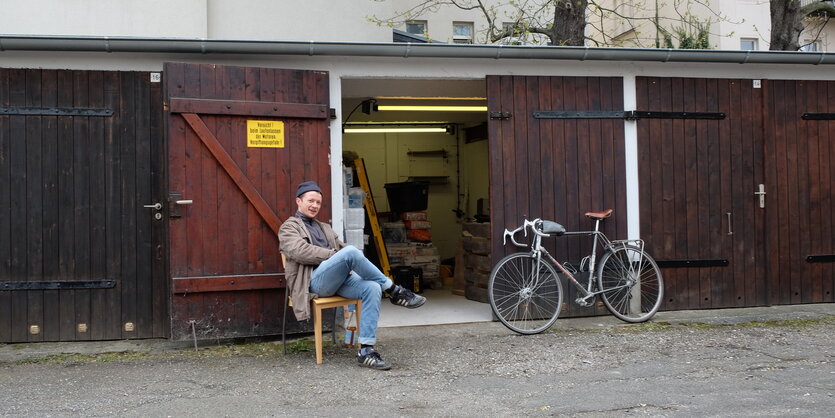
810 46
416 27
748 44
462 32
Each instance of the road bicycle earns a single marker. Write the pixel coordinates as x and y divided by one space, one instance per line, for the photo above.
526 293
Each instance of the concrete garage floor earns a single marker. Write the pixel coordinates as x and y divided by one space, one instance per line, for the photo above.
441 308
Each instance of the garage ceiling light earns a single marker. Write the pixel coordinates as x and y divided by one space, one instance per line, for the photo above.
448 108
394 130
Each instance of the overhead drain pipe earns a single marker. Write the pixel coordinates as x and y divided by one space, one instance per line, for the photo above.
402 50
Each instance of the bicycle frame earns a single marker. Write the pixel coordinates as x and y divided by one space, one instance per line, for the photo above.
587 292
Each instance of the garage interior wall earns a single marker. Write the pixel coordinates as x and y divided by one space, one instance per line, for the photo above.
463 175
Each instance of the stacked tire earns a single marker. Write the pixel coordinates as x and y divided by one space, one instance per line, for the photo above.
477 260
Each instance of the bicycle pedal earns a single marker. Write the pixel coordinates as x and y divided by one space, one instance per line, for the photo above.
582 302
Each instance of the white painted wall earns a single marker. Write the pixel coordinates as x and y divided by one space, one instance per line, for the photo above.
386 161
146 18
318 20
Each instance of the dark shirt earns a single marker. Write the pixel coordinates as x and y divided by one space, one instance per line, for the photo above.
316 232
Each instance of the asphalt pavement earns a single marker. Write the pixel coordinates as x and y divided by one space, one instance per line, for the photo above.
772 361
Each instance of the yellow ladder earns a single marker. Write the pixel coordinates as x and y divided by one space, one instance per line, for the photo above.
372 217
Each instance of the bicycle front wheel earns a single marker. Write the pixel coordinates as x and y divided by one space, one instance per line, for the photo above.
630 283
525 293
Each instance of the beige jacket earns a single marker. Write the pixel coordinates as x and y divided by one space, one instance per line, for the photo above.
302 257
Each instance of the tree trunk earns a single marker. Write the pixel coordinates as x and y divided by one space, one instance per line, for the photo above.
569 26
786 25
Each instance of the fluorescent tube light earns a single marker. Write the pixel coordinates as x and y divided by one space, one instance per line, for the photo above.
432 108
395 130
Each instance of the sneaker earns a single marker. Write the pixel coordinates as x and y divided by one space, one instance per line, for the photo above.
371 359
405 297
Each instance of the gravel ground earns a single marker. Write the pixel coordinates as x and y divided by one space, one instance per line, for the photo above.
655 369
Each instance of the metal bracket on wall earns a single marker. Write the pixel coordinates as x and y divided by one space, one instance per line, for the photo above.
818 116
820 258
628 115
53 111
691 263
66 285
500 115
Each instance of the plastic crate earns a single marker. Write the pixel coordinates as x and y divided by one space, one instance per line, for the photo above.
408 196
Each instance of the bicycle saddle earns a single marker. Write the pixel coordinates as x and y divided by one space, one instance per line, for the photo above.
552 228
600 215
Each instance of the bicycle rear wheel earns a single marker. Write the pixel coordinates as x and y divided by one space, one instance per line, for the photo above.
631 284
525 293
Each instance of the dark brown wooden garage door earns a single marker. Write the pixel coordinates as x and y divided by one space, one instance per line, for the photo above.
800 168
81 152
556 169
699 213
227 278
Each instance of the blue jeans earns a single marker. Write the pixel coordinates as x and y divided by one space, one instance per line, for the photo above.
349 274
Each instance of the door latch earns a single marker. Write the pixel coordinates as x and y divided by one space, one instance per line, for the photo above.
761 193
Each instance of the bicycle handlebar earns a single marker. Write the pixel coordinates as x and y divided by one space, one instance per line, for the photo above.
534 226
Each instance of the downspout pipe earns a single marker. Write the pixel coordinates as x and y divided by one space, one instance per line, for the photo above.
402 50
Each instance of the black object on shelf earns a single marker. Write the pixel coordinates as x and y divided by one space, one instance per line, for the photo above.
408 196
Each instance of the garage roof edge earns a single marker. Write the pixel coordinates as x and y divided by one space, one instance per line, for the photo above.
401 49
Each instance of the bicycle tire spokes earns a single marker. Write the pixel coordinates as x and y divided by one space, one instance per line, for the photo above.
525 293
630 284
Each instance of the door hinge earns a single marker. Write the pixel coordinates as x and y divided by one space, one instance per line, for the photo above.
818 116
500 115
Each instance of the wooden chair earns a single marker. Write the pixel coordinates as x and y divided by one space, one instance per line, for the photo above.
317 306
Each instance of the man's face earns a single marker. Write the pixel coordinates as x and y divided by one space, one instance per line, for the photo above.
309 204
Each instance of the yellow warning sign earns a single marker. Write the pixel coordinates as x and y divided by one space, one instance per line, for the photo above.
265 134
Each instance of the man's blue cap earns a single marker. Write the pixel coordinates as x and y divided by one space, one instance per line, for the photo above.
308 186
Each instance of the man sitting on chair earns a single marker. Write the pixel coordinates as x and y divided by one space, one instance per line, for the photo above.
319 263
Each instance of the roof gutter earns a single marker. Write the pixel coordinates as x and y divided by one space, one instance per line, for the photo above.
402 50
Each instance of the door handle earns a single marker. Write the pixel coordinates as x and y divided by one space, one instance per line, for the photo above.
156 206
730 230
761 193
184 202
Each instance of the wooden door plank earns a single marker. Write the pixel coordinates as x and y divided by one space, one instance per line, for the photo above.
34 204
66 206
112 218
177 131
5 210
812 289
699 189
269 177
561 213
129 204
717 242
800 276
51 269
757 275
145 218
254 169
159 280
829 277
545 135
82 197
532 168
17 186
495 160
97 328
